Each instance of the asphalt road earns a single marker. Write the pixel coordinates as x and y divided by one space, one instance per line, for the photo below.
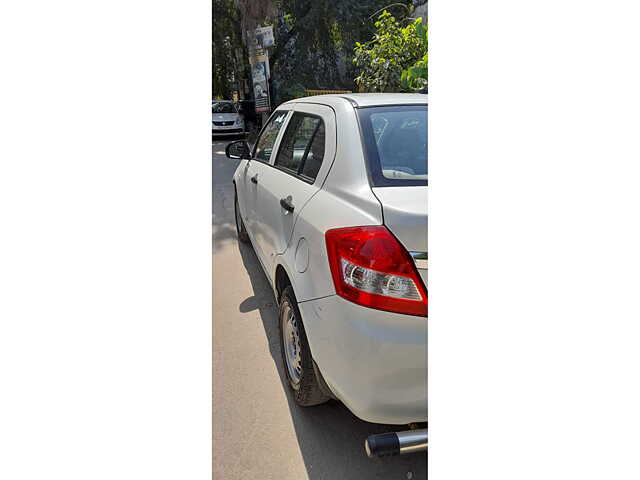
258 432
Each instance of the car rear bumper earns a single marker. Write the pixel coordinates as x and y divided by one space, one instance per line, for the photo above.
375 362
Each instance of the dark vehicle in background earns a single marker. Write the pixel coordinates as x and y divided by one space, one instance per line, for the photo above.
247 109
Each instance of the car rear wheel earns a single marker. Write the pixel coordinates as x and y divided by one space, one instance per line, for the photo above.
296 355
243 236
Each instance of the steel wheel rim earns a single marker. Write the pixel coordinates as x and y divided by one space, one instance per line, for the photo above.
291 344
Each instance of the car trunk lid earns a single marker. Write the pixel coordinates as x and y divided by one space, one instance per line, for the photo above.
405 215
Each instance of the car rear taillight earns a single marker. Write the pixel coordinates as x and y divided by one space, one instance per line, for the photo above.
370 267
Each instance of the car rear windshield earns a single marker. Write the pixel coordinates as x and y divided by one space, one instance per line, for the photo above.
395 141
223 107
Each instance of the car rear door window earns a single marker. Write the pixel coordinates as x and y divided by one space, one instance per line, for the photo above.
264 145
313 160
302 147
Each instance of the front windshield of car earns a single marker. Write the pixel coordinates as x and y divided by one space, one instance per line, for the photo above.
223 107
395 139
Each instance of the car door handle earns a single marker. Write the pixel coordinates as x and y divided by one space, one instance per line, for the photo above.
286 204
254 179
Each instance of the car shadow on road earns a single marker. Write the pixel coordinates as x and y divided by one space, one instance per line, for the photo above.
223 233
330 437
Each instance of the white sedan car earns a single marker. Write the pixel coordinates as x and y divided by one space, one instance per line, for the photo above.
333 197
226 119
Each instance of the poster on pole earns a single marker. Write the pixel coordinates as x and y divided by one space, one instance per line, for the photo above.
258 41
260 78
264 37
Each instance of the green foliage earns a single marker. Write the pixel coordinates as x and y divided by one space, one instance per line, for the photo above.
416 76
315 41
227 38
292 90
305 52
392 50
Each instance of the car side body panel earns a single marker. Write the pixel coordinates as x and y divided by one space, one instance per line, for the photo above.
311 278
346 194
274 225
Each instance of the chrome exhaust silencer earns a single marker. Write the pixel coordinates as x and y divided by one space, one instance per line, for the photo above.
396 443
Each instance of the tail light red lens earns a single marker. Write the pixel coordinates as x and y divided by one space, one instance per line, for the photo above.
370 267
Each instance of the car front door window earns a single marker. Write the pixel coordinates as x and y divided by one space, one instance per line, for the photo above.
264 145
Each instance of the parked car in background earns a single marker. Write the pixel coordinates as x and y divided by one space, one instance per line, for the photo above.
333 197
226 119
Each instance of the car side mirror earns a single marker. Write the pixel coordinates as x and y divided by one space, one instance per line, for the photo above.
238 150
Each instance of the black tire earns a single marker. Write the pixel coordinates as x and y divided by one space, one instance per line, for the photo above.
243 236
306 391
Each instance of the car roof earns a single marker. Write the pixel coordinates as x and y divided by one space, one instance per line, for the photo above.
359 100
